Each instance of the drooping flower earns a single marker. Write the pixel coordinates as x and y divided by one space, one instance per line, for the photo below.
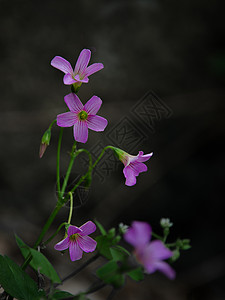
81 71
82 117
148 253
78 240
133 165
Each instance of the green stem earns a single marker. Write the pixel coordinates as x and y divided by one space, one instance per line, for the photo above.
101 154
157 236
54 234
58 160
71 207
53 122
73 156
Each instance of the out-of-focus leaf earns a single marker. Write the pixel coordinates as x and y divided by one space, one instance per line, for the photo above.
100 227
136 274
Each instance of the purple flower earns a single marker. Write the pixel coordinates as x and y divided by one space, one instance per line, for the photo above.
82 117
133 165
78 240
81 72
149 254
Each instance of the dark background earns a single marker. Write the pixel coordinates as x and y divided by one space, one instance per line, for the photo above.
174 48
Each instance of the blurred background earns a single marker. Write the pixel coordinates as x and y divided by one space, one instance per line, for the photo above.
163 91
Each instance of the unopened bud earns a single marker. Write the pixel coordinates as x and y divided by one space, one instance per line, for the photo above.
45 141
165 223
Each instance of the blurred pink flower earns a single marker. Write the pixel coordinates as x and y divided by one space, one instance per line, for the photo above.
82 117
133 165
78 240
81 72
149 254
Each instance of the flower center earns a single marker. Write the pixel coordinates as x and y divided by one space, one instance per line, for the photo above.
73 237
83 115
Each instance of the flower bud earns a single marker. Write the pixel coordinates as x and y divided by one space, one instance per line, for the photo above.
45 141
165 223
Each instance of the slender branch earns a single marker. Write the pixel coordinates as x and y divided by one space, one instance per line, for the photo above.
95 287
80 268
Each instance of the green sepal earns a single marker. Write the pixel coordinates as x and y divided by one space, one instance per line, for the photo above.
16 282
39 262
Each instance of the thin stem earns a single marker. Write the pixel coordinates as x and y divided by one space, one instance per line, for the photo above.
95 288
58 160
111 294
53 122
157 236
54 234
80 268
71 207
101 154
73 156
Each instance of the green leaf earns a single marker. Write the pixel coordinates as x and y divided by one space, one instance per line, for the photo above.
110 274
60 295
39 262
16 282
103 245
122 249
136 274
100 227
118 254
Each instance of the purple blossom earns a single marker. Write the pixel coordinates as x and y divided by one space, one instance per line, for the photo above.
149 254
82 117
133 165
78 240
81 71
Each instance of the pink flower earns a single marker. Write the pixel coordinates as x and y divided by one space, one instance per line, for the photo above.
78 240
149 254
81 72
133 165
82 117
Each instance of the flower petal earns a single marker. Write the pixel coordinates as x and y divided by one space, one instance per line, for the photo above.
129 175
82 61
165 268
67 119
64 244
93 69
72 230
93 105
139 234
157 251
86 243
62 64
96 123
78 79
81 131
87 228
138 167
75 251
142 158
68 79
73 102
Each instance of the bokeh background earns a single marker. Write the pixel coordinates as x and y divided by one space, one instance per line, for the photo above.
173 48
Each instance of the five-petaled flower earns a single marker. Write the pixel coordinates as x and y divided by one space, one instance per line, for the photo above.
81 71
149 254
82 116
78 240
133 165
